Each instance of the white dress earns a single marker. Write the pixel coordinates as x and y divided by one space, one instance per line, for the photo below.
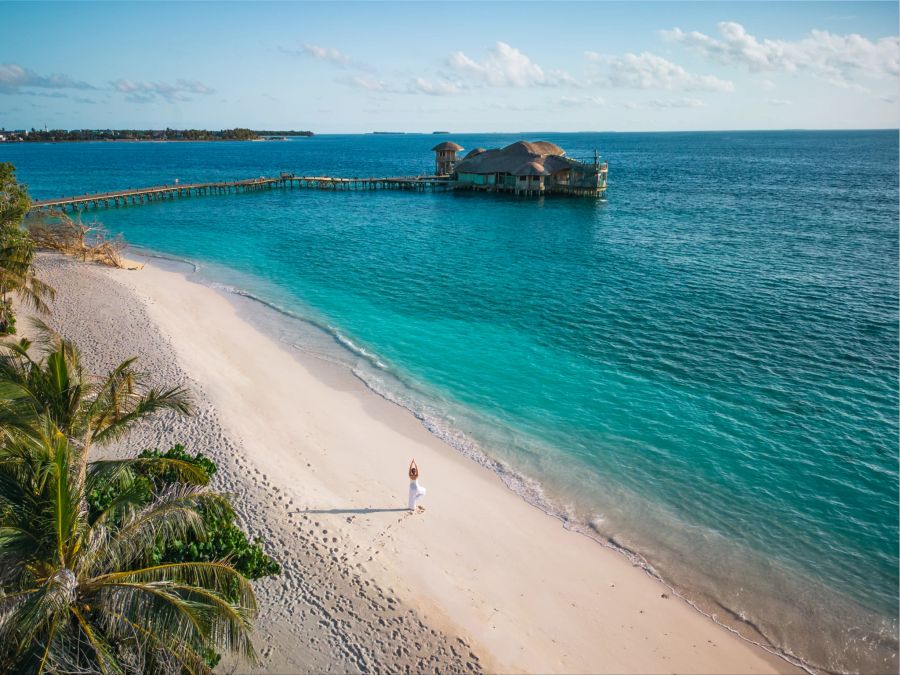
416 492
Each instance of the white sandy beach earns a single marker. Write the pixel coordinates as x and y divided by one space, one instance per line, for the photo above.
317 462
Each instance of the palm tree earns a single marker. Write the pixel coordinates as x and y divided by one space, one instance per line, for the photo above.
17 276
16 252
14 200
85 409
77 591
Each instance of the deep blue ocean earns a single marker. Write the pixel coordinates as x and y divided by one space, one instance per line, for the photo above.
702 369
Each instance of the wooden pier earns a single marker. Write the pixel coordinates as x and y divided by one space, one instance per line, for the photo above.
283 181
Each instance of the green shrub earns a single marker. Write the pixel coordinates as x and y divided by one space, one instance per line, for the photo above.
224 540
178 452
7 318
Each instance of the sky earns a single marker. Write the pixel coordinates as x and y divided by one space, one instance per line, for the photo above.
456 66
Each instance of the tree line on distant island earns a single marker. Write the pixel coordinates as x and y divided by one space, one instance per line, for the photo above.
63 135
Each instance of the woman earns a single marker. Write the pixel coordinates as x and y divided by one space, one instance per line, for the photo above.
416 491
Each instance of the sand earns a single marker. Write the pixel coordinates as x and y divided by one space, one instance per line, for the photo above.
317 466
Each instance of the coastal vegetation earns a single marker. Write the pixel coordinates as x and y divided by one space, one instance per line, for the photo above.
223 540
16 253
128 565
90 242
64 135
79 592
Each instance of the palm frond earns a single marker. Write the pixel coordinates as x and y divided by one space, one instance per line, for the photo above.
156 608
41 289
12 391
32 293
14 358
17 547
43 335
10 604
123 628
106 471
115 421
229 625
103 656
41 609
111 395
49 643
216 576
216 621
66 502
175 514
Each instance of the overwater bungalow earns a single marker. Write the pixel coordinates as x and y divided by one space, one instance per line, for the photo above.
523 167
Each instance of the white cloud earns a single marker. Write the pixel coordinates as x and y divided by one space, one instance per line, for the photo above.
582 101
146 92
420 85
13 77
46 94
836 58
194 87
780 101
328 54
366 83
767 85
662 103
506 66
512 107
650 71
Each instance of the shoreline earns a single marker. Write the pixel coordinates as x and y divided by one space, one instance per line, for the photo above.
480 563
713 603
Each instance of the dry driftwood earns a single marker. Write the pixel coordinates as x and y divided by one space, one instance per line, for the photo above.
56 231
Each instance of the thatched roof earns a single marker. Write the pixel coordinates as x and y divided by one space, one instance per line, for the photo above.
532 168
537 148
473 152
447 145
522 158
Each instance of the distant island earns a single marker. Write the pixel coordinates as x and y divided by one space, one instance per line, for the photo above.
68 135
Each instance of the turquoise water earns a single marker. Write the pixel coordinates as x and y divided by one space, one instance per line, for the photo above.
702 369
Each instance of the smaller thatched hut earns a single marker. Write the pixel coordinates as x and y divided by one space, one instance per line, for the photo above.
445 157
